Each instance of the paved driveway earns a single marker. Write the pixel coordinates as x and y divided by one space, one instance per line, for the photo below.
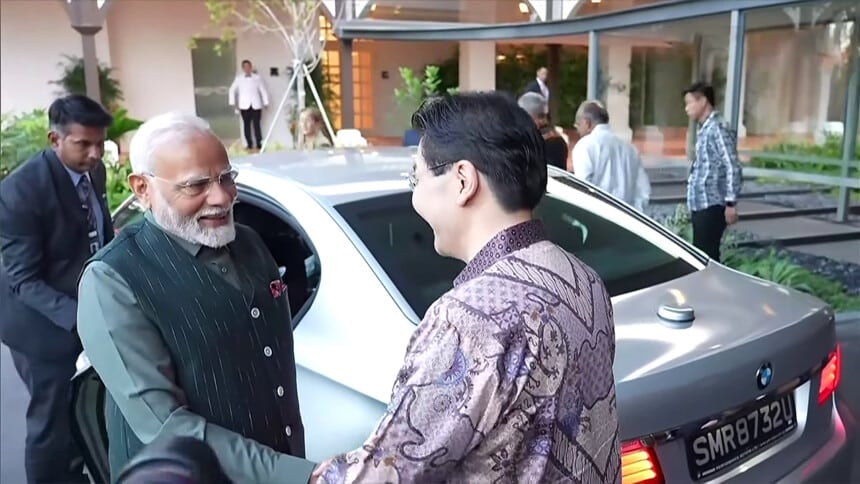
13 402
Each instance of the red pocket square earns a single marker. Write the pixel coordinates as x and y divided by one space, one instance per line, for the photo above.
278 288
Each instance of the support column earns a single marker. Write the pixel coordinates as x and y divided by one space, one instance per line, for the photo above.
87 18
553 65
742 129
696 75
347 99
734 78
91 66
593 79
825 76
849 136
478 58
477 66
618 90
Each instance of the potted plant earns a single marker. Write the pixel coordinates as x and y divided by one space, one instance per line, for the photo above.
412 93
72 82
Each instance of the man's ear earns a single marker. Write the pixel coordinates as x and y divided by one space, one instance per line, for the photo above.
54 138
139 185
467 179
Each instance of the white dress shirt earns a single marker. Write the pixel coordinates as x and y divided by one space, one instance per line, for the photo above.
544 89
607 161
250 91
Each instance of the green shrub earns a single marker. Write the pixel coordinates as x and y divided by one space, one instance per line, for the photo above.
779 269
831 149
21 136
122 124
414 90
776 267
73 81
117 183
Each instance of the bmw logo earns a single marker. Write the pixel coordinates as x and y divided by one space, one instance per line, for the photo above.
764 376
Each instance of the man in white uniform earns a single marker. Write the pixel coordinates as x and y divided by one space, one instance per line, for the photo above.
249 96
603 159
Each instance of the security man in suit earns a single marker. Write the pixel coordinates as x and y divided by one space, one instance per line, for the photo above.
538 84
53 217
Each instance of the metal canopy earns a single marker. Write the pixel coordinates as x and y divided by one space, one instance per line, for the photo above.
671 10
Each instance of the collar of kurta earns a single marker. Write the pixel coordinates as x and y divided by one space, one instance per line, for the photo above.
192 248
502 245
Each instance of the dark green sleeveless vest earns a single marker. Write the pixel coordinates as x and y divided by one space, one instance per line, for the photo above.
232 350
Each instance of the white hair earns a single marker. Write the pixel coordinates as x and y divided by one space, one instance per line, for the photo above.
162 129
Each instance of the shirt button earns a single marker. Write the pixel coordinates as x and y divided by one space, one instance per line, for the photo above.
255 313
280 391
288 431
223 270
267 351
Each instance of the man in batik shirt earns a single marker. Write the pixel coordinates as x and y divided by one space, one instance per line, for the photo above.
509 376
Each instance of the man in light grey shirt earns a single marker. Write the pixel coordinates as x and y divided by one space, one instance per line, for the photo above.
602 158
186 320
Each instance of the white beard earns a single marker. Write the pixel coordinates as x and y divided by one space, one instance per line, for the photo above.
189 228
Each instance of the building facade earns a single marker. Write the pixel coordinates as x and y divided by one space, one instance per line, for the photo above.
789 85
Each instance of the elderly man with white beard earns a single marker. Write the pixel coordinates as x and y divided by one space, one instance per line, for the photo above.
186 320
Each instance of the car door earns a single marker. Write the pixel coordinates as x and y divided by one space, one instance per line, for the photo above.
89 427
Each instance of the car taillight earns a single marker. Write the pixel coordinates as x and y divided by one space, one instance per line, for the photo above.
639 464
830 375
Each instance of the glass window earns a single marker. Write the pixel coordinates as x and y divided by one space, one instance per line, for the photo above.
795 75
402 244
127 214
644 71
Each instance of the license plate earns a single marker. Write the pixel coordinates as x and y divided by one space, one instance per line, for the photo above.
738 437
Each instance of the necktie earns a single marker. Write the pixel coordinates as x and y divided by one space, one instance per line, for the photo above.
84 188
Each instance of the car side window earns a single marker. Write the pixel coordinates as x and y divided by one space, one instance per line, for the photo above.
129 213
624 260
293 252
402 243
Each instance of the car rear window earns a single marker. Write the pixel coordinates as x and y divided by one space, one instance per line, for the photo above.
402 243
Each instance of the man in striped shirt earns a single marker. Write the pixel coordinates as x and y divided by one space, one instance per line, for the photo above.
716 176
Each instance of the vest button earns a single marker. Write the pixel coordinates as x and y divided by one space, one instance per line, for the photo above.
267 351
255 313
280 391
288 431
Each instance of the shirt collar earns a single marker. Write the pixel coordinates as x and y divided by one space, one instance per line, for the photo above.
75 176
502 245
192 248
713 117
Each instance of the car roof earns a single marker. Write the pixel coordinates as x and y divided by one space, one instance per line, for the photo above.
338 176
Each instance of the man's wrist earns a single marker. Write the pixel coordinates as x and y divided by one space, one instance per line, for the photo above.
731 203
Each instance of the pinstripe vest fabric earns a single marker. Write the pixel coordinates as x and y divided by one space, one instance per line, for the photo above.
232 349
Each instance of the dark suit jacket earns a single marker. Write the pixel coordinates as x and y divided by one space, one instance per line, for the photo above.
533 87
43 247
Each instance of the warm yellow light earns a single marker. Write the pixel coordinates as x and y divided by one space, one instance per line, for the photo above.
524 8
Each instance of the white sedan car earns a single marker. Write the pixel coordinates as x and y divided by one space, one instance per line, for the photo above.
720 376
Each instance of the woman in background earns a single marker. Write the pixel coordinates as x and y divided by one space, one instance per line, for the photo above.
313 130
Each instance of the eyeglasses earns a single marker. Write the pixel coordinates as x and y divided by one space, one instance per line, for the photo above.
412 177
200 186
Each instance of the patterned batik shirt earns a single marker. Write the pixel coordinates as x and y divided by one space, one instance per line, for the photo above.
507 379
716 174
